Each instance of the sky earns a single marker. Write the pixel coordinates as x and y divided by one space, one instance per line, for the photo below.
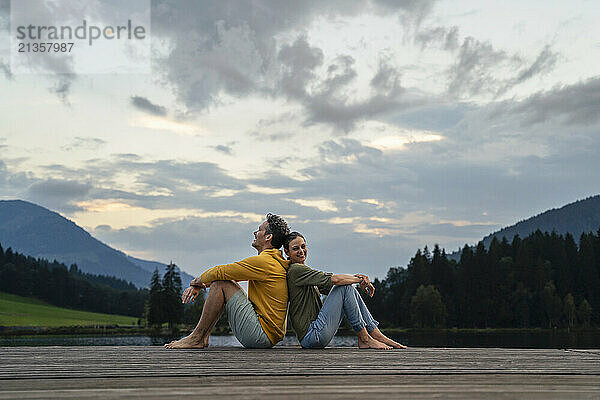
375 128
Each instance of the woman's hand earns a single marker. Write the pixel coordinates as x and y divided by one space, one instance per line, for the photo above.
366 285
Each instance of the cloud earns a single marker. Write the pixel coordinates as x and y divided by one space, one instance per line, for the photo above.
58 194
274 136
4 38
331 105
6 70
354 196
413 11
143 104
4 14
62 87
242 49
545 61
60 66
299 62
482 70
59 189
387 79
330 99
575 104
13 184
278 128
200 243
447 38
473 72
84 143
193 243
224 149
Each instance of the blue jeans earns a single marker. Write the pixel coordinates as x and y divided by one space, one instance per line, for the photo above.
341 300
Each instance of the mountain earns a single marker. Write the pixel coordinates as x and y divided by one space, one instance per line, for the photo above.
574 218
39 232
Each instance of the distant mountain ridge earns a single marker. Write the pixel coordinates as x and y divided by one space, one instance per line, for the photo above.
574 218
34 230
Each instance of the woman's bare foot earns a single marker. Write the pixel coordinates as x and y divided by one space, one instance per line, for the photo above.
371 343
378 335
189 342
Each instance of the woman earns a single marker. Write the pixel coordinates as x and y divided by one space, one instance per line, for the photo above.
316 323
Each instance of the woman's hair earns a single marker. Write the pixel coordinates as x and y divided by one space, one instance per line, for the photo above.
290 237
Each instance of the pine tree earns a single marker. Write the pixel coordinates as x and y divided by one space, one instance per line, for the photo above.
570 310
171 289
154 306
585 312
551 304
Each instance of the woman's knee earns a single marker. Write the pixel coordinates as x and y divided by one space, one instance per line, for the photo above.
346 289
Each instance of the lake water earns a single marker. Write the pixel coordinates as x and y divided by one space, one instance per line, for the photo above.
531 339
220 341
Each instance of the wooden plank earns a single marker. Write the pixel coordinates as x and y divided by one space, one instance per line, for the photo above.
119 361
154 372
487 386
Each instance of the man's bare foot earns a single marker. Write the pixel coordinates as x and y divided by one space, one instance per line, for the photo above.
371 343
379 336
188 342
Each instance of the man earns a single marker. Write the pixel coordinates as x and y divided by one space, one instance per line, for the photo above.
257 321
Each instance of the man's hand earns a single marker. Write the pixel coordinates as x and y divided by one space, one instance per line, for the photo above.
366 285
190 294
197 282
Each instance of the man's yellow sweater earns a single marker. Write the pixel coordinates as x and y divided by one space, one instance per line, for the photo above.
267 287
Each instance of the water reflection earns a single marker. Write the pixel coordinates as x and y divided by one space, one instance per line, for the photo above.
534 339
217 341
529 339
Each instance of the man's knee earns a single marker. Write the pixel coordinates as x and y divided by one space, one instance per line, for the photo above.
223 284
229 288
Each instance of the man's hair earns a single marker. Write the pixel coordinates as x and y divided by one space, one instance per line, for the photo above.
290 237
277 227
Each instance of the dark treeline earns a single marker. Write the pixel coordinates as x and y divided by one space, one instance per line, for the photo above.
164 302
544 280
56 284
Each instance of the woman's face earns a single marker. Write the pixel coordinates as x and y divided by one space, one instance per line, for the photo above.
297 251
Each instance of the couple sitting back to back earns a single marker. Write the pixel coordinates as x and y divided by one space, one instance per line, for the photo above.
259 319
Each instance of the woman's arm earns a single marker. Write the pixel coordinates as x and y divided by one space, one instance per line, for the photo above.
346 279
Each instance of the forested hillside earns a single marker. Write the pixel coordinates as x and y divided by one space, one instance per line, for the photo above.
65 286
542 280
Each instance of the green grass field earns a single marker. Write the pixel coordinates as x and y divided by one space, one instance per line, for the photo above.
24 311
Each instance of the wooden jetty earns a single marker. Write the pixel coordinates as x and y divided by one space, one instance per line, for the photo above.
290 372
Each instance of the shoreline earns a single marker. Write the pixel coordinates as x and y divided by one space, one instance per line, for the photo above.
121 330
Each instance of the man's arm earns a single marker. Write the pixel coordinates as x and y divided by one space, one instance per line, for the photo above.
249 269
